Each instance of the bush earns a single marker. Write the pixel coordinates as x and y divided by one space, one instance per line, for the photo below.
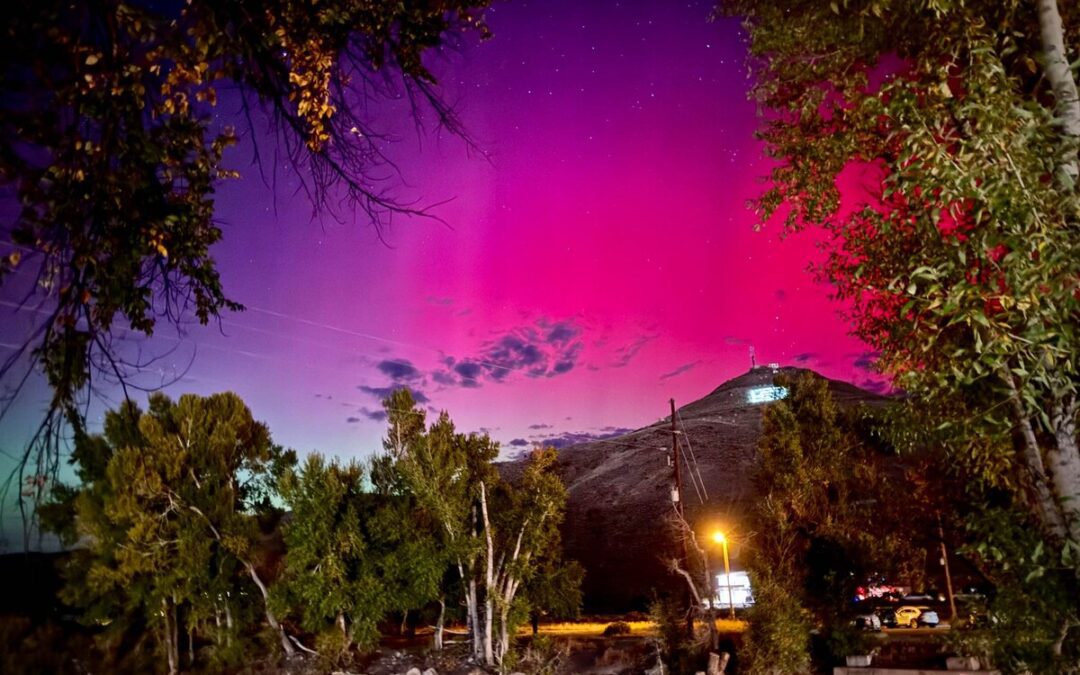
778 639
617 628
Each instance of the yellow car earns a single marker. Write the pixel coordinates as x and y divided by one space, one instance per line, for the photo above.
913 617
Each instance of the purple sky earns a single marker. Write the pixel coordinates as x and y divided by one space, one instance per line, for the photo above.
600 261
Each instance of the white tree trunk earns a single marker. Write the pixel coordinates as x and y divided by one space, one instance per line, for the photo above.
175 635
1066 100
474 621
1049 512
504 633
489 578
228 624
270 619
1064 464
439 624
167 630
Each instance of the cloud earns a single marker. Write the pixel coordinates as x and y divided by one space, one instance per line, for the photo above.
539 426
519 442
564 440
624 355
540 349
680 370
780 295
442 302
805 357
865 360
376 415
352 420
381 393
399 370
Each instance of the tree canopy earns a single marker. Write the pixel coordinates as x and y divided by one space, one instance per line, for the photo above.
960 265
168 520
935 143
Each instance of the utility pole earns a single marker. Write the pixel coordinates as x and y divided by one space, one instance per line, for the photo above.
948 576
676 497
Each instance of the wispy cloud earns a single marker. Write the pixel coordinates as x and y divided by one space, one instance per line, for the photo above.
624 355
680 370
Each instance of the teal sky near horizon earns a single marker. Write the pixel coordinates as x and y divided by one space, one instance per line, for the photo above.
599 260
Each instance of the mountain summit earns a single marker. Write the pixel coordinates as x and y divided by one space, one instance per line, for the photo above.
620 488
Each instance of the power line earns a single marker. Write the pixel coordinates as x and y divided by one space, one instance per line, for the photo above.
696 470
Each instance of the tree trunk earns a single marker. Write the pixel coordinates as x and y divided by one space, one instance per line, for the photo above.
191 647
270 619
1066 100
175 635
439 624
489 587
1064 461
474 621
228 624
343 627
170 655
504 633
1048 510
489 655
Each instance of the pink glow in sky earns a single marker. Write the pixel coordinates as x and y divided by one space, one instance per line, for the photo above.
600 261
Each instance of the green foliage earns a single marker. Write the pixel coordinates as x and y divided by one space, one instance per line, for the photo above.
958 261
1035 591
778 637
826 519
330 574
669 615
168 512
500 539
961 267
353 556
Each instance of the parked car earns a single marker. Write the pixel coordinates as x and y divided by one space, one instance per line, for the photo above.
911 616
868 621
923 597
887 616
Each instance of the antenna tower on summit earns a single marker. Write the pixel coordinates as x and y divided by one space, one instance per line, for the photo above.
753 358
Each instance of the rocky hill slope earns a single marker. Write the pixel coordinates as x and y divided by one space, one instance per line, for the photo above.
619 488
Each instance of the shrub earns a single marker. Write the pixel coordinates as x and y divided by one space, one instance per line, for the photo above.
617 628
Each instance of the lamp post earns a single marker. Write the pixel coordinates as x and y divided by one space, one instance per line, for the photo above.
719 538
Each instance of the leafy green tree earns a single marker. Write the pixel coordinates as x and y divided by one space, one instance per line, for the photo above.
443 470
168 513
117 611
108 144
498 534
962 267
353 555
826 518
962 123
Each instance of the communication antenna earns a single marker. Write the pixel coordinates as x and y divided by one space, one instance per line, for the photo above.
753 358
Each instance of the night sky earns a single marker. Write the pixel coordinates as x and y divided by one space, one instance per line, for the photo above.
597 262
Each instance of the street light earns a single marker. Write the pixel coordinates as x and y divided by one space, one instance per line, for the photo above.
719 538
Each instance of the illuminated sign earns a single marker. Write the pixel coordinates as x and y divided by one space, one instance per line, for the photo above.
733 591
766 394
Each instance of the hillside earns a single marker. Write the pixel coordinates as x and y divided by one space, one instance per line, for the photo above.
619 488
